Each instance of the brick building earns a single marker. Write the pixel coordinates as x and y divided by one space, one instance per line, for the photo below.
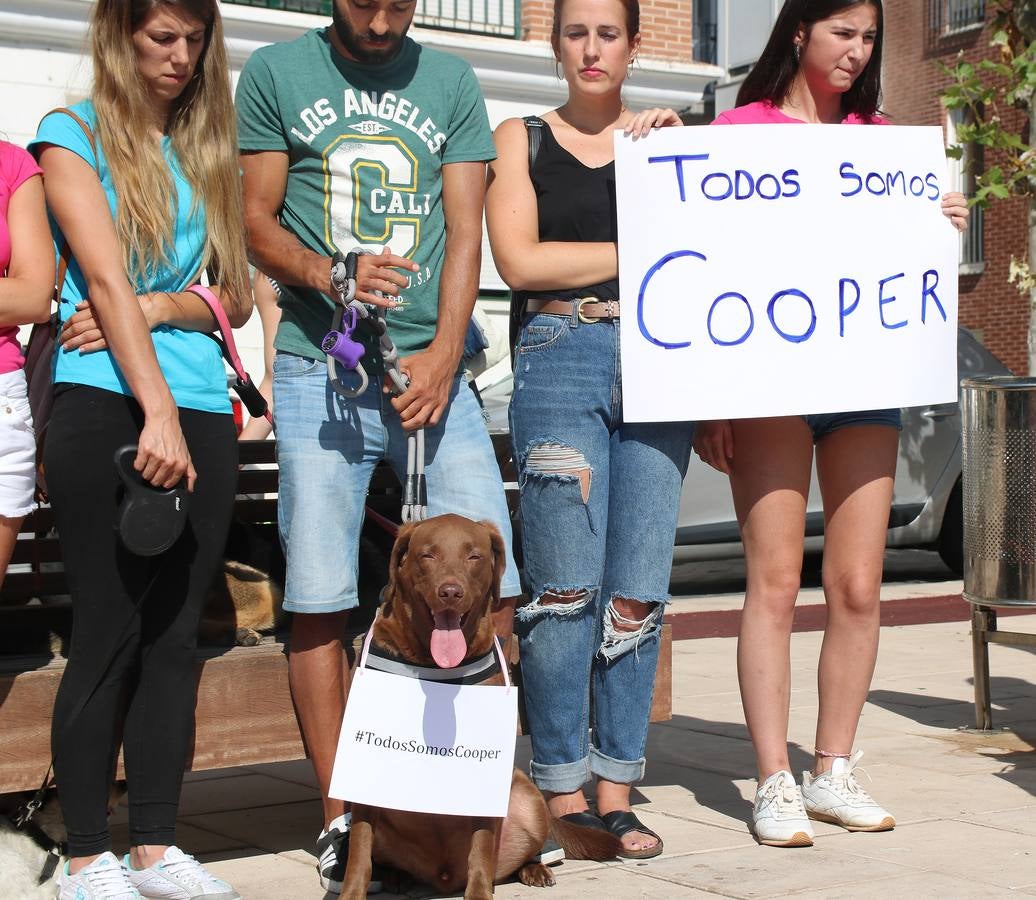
919 35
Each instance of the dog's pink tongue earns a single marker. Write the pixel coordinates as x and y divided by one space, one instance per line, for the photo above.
448 645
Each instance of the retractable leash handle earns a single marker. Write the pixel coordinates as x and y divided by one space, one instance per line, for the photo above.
244 387
338 343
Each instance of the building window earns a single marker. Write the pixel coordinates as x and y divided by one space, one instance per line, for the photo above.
963 173
704 23
500 18
949 16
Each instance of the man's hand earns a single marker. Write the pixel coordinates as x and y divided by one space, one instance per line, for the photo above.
431 374
375 273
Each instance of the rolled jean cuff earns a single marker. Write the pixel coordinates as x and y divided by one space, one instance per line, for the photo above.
563 778
618 770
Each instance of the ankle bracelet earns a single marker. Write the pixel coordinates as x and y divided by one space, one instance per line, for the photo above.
824 754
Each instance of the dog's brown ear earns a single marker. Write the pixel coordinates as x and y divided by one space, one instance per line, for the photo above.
399 552
499 558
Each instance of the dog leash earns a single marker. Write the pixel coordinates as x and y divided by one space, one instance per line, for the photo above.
340 347
245 388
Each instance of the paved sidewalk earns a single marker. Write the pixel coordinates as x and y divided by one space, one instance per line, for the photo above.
965 802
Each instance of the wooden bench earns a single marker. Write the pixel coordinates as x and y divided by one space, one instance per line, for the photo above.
244 714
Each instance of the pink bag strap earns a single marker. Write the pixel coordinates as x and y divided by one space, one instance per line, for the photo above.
254 402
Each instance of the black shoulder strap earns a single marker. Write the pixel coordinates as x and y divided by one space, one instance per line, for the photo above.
534 126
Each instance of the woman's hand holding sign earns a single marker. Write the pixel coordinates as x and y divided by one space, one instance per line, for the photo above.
955 208
645 121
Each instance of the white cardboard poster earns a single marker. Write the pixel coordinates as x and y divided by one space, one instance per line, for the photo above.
426 747
773 270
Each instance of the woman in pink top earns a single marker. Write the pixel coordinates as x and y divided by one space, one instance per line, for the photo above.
26 286
822 64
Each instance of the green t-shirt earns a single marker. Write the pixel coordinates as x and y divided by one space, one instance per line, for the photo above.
366 145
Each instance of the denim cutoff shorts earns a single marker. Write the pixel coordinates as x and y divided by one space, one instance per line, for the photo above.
327 448
822 424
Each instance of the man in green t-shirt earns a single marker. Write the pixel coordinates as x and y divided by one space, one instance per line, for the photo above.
354 136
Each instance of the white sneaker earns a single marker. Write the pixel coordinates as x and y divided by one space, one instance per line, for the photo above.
778 817
103 878
837 797
178 876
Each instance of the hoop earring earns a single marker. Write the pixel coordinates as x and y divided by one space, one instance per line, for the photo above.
557 70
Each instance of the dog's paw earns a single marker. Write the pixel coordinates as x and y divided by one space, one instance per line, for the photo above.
535 874
247 637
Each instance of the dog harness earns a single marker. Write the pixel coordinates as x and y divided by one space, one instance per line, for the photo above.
339 346
478 671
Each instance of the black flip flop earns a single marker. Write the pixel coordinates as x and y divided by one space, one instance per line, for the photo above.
586 818
621 822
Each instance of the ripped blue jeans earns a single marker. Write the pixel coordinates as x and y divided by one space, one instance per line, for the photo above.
599 503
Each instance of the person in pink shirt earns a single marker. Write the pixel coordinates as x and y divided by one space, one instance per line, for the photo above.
822 64
26 286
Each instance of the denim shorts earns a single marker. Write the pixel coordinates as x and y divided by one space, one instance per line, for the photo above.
327 448
823 424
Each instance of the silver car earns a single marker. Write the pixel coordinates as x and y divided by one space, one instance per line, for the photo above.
926 502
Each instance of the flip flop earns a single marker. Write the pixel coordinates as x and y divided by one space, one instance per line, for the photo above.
621 822
586 818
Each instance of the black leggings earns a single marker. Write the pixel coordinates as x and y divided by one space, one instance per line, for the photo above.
148 693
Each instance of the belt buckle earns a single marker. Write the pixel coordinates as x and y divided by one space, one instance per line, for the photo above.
586 320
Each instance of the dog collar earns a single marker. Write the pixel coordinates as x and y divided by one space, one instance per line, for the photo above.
474 672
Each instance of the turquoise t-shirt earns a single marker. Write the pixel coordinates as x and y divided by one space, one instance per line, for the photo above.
190 361
366 145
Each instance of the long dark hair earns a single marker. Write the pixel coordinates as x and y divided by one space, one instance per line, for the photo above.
772 76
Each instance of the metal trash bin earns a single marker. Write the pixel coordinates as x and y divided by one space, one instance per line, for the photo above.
998 416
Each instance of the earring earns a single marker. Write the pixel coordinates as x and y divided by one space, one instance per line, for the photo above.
798 53
629 68
557 70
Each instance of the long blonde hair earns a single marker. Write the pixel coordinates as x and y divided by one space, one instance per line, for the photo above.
201 129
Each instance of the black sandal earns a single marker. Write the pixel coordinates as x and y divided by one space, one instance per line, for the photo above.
621 822
586 819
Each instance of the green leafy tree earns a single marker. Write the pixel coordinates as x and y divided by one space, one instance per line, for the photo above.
988 90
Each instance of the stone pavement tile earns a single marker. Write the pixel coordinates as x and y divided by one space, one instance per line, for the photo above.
916 886
287 826
259 876
299 771
689 744
750 872
616 881
975 853
1021 820
240 792
189 838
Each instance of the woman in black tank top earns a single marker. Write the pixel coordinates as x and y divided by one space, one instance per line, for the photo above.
599 496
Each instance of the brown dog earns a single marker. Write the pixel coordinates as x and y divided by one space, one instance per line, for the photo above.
444 578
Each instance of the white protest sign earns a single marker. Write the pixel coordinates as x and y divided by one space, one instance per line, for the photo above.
426 747
773 270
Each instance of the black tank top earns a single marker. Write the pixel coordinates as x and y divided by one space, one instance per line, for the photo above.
575 203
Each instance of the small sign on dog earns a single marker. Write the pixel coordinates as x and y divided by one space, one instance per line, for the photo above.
426 747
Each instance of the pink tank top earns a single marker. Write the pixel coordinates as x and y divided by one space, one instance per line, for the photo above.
16 167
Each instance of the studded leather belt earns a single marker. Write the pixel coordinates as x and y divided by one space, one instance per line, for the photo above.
588 309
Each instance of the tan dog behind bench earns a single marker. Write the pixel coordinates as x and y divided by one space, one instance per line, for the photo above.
444 578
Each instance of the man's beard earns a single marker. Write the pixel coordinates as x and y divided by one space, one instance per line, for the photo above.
389 43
